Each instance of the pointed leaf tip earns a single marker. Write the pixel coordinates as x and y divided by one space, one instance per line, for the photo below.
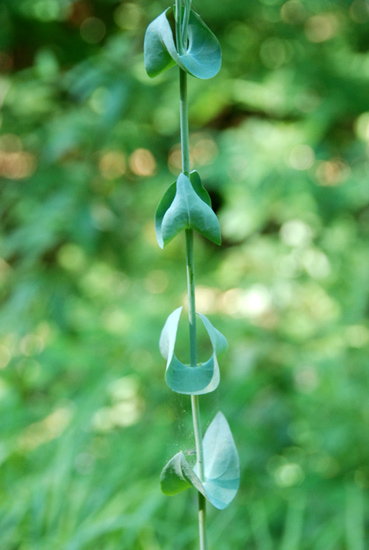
188 210
221 463
180 223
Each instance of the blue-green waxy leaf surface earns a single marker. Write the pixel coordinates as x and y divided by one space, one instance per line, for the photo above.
181 378
221 467
168 199
221 463
202 58
186 205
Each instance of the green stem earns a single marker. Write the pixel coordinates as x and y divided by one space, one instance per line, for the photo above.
186 18
185 137
185 144
178 18
202 522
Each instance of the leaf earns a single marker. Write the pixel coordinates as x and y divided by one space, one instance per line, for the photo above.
168 198
188 210
164 205
178 476
156 56
185 379
221 467
202 57
221 463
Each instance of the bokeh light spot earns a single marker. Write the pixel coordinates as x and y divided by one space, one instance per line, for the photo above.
142 162
293 12
302 157
320 28
156 281
296 233
128 16
112 164
93 30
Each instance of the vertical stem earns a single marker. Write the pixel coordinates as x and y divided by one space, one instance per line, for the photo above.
185 137
178 19
185 145
191 296
202 522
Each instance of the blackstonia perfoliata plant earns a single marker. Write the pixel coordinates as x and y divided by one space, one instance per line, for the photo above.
186 206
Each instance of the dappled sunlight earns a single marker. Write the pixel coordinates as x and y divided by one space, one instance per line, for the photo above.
320 28
142 163
15 163
125 409
46 430
157 281
113 164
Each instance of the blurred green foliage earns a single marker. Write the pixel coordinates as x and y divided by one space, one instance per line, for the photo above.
88 145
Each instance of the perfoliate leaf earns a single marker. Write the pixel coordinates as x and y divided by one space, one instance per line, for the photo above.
221 467
188 210
181 378
202 57
178 476
221 463
168 198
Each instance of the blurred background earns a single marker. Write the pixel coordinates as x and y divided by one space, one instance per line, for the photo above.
88 146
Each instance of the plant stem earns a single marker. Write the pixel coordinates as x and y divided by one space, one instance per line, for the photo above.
185 138
178 19
185 144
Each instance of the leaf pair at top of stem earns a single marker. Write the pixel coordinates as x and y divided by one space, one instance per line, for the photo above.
196 50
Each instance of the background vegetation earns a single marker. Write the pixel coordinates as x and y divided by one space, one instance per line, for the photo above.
88 145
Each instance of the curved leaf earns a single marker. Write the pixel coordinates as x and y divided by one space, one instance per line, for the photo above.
178 476
221 463
185 379
221 467
168 198
187 211
202 57
156 56
164 205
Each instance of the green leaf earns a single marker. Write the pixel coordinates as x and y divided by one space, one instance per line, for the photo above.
178 476
202 57
221 463
188 210
164 205
221 467
168 198
185 379
156 56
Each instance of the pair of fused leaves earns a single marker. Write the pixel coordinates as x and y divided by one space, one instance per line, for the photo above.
202 58
221 467
181 378
186 205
